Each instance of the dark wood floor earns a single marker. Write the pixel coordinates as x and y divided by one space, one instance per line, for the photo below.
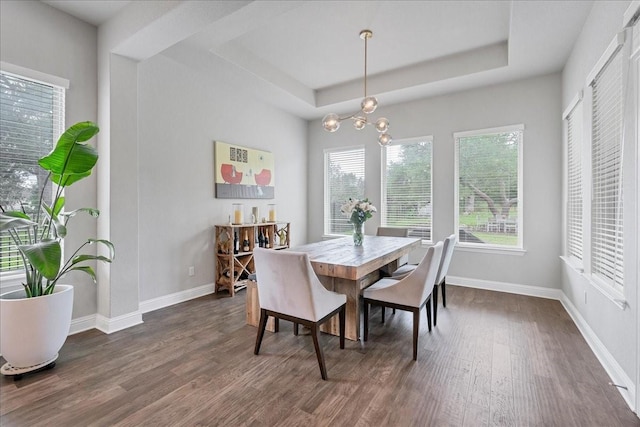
493 359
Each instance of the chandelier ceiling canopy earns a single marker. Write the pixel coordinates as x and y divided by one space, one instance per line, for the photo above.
331 122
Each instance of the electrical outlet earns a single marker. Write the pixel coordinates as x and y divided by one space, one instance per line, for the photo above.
192 271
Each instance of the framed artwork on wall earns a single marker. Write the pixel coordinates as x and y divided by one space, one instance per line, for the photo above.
242 172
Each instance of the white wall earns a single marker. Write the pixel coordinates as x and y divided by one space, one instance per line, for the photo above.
181 112
533 102
616 329
37 36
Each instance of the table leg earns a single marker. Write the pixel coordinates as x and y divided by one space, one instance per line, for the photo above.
352 289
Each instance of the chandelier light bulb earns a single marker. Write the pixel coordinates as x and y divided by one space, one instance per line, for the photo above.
331 122
359 122
384 139
369 104
382 124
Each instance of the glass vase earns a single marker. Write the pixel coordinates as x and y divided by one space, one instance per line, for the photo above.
358 234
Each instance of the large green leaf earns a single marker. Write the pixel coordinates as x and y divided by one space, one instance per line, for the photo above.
81 258
79 132
87 270
44 256
71 160
63 161
108 244
8 221
91 211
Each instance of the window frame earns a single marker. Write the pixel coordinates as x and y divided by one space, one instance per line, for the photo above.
326 197
11 278
383 174
574 116
485 247
608 287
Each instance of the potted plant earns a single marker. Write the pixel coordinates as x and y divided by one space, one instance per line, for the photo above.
35 320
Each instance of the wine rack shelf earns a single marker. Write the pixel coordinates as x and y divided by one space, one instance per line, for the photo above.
234 250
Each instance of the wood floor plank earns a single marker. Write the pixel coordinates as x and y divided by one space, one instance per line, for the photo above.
493 359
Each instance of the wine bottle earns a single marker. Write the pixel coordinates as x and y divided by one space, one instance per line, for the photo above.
260 238
245 242
236 243
266 240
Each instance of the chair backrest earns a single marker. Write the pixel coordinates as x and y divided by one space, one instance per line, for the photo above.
447 254
418 285
287 284
393 232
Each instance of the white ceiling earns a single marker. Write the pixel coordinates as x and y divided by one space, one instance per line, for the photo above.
306 56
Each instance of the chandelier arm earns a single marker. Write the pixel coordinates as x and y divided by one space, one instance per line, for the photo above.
352 116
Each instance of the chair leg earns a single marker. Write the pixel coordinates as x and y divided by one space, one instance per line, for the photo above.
295 328
444 295
382 310
393 311
428 304
365 335
315 333
276 324
416 330
435 304
342 318
261 327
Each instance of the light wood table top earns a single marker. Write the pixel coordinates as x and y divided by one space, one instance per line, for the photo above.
340 258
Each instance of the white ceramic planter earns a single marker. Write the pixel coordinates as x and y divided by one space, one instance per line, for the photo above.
33 330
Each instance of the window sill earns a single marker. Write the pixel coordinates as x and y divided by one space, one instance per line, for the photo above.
10 280
491 250
611 294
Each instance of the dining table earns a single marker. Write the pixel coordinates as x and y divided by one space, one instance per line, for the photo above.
348 269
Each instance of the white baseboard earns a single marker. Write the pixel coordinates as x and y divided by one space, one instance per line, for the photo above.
512 288
608 362
109 325
82 324
614 370
175 298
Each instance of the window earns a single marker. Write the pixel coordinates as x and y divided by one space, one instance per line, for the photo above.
606 174
574 181
489 187
406 186
344 178
31 119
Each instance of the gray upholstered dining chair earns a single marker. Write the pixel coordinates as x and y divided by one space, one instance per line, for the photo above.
290 290
410 293
441 278
404 259
393 231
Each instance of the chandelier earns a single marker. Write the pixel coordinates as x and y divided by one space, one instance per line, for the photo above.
331 122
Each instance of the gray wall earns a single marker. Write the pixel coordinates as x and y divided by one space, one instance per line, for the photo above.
181 112
39 37
617 329
533 102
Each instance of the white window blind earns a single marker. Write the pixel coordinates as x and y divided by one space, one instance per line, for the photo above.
606 174
574 182
489 186
31 120
344 178
406 198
